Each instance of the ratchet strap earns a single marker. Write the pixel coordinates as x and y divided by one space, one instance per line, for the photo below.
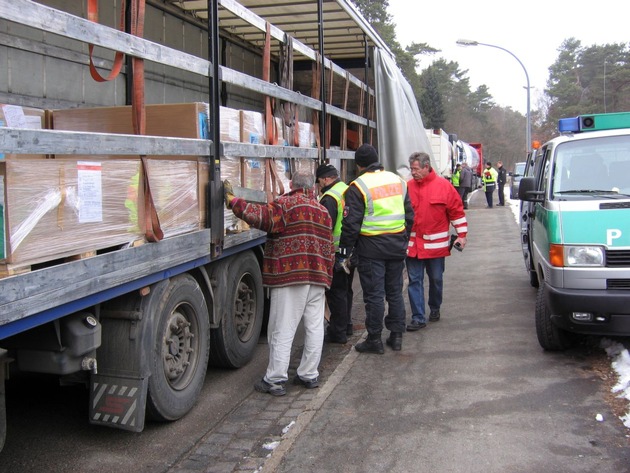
153 230
92 12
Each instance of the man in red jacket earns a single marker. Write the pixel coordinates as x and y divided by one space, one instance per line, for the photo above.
437 206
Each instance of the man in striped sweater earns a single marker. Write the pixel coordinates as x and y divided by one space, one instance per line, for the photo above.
297 267
437 206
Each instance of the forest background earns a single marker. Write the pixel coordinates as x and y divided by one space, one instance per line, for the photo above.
577 85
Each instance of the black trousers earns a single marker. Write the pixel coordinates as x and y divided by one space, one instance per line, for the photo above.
339 298
489 191
501 193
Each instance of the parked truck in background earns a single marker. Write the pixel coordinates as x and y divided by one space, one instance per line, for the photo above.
121 268
443 150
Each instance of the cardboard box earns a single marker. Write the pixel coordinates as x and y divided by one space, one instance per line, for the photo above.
183 120
230 126
15 116
55 208
252 127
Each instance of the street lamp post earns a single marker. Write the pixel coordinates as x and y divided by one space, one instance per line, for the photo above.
528 129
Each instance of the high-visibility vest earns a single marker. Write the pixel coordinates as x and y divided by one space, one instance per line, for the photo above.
384 196
336 192
455 179
489 176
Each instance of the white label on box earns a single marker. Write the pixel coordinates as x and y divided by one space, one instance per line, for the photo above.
33 122
14 116
90 192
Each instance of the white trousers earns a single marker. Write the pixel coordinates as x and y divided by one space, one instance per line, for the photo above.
288 306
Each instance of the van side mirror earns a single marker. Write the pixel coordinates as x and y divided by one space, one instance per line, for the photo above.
527 190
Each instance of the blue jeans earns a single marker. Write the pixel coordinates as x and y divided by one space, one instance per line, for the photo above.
434 268
382 280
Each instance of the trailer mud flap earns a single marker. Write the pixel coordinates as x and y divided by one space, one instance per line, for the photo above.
118 402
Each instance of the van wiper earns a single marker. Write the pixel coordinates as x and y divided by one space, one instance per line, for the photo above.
585 191
593 192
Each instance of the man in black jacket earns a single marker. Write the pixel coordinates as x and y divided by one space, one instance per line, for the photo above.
501 180
377 220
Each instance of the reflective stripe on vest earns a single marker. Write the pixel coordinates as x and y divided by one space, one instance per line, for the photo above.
336 192
383 193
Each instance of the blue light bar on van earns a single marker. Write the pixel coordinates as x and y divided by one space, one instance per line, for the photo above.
599 121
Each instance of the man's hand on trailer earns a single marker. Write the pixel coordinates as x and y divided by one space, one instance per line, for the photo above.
228 193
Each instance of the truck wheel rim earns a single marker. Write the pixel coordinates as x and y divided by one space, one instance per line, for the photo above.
180 350
245 308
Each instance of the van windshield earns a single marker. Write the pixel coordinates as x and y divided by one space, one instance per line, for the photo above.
594 167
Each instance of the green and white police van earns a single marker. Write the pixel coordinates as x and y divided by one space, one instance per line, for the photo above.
577 231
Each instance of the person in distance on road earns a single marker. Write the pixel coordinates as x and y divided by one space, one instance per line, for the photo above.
465 184
489 179
436 206
297 267
501 180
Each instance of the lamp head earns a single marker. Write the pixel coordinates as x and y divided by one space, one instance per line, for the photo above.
467 42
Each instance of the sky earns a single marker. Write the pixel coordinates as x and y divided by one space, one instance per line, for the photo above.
532 31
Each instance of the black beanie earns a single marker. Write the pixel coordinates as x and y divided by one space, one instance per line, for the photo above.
365 155
325 170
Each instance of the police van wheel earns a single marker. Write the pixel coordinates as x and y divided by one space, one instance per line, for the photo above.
533 279
550 337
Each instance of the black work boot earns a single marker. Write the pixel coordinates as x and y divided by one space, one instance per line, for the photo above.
395 341
373 344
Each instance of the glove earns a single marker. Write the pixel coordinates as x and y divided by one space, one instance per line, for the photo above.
341 264
228 193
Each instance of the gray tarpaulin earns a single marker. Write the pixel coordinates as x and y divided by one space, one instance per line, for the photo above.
399 125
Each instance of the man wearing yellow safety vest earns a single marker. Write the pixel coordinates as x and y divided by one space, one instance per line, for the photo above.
489 179
377 221
340 294
455 177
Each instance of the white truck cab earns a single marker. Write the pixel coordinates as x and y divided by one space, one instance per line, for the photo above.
578 229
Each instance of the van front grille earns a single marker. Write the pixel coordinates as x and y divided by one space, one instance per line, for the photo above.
618 258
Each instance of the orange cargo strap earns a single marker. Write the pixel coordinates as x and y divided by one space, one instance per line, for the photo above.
329 101
344 126
92 13
270 123
286 81
273 184
153 230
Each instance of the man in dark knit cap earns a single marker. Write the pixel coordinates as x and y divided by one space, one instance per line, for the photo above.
340 294
377 221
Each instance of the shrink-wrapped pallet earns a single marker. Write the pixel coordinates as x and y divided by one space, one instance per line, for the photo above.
56 208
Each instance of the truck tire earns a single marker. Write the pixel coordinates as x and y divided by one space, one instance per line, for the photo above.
233 342
178 355
550 337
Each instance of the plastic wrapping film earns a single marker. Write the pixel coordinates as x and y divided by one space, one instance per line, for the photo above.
230 124
174 188
62 207
306 135
231 170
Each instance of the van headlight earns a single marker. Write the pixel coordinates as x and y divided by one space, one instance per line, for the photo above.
583 256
